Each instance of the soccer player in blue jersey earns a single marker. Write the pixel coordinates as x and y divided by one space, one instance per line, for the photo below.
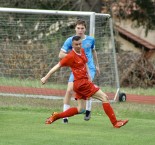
88 44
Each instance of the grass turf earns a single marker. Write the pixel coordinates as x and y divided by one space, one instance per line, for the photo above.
22 123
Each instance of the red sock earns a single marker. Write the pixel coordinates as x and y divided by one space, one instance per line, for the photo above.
68 113
110 113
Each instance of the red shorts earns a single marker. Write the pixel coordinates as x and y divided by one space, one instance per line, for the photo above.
84 89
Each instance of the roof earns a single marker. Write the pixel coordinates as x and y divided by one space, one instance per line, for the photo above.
135 38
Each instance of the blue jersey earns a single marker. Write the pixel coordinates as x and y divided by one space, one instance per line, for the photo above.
88 44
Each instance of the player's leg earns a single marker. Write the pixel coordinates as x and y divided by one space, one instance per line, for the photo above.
68 113
89 101
108 109
88 109
81 106
67 98
68 95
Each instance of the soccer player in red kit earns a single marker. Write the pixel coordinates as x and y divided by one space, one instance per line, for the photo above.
83 86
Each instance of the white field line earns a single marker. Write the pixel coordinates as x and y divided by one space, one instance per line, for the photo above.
43 97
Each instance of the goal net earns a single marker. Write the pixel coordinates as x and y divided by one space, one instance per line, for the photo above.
30 41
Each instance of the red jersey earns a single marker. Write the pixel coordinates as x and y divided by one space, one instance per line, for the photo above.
77 62
82 86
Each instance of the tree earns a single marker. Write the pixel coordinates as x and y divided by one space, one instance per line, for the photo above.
145 14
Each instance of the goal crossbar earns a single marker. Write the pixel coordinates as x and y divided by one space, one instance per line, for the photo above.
54 12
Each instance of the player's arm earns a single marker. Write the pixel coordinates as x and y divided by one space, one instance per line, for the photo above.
89 77
96 61
67 46
62 54
54 69
66 61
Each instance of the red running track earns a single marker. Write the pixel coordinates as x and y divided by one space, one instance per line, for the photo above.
55 92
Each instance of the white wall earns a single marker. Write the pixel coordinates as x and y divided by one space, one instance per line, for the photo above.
140 31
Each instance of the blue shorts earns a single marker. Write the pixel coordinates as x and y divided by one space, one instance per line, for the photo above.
92 74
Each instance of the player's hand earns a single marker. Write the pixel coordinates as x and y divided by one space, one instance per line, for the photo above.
43 80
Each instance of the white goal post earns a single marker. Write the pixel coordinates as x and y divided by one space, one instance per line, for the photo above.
30 41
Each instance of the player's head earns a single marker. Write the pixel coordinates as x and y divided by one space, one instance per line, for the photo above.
80 27
76 43
80 22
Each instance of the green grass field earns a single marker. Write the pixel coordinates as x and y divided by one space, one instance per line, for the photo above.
22 123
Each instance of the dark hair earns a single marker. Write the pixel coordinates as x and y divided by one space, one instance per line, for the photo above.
80 22
76 38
